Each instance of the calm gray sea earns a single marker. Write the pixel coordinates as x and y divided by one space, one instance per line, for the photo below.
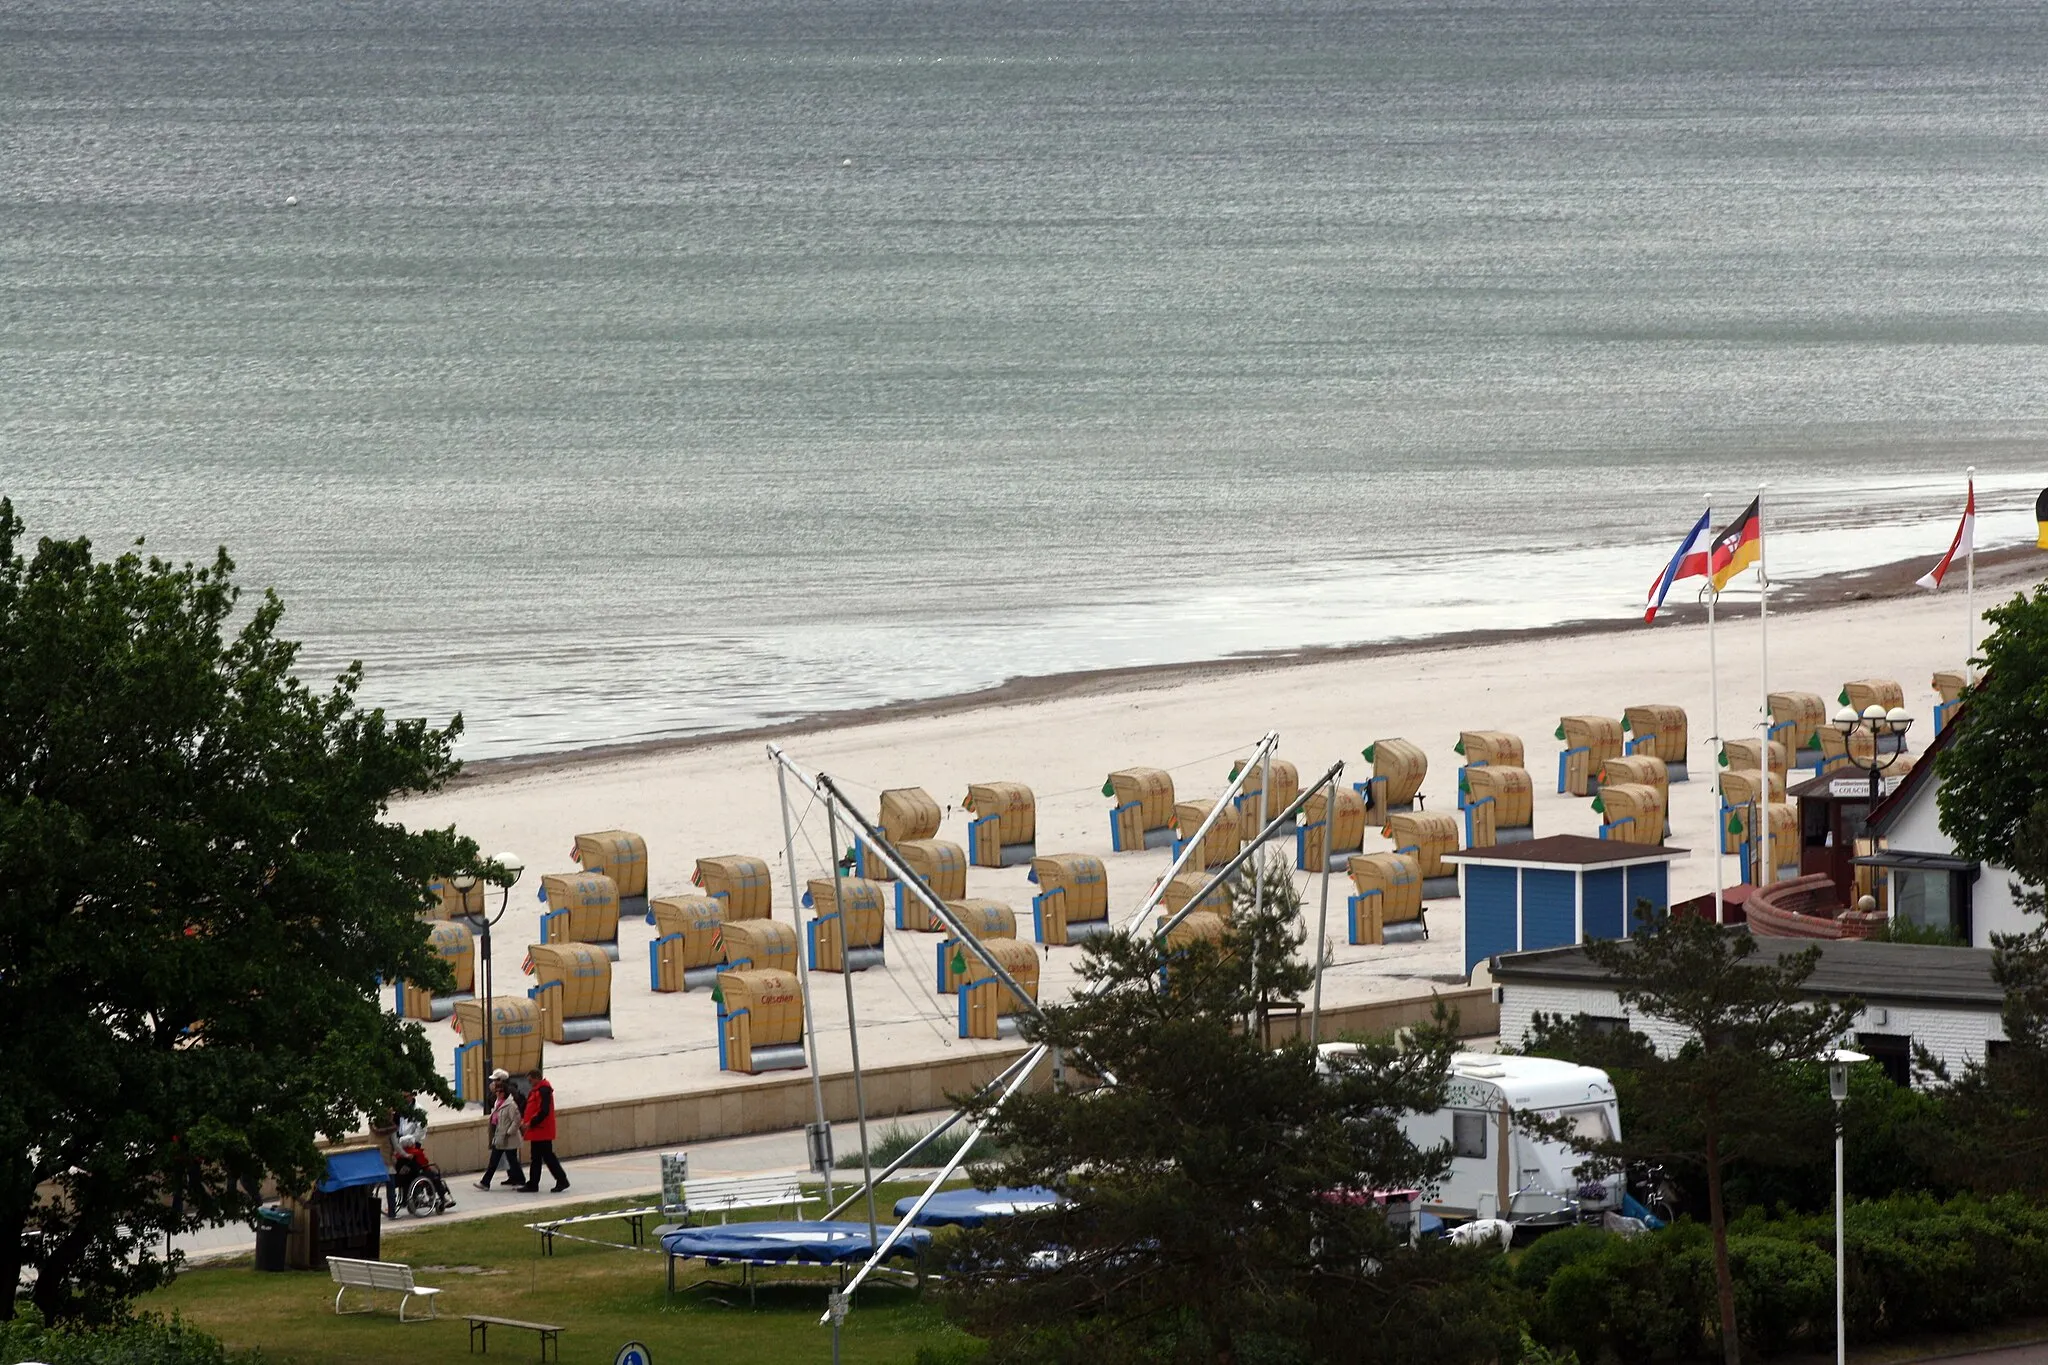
636 369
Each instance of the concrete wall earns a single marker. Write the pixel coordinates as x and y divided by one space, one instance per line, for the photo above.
783 1102
1956 1036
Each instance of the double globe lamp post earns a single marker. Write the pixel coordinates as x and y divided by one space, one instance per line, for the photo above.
513 866
1839 1062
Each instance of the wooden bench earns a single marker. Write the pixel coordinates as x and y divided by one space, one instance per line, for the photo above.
388 1275
480 1326
636 1227
724 1194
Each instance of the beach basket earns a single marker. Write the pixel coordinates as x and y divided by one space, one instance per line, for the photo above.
1428 836
1632 813
758 945
1143 814
1198 926
1286 786
1386 901
455 945
940 865
1784 843
845 933
1738 754
1500 805
1312 852
623 858
1398 768
742 882
516 1044
985 919
1004 831
1640 769
1072 903
760 1021
1864 693
450 902
1487 748
1182 888
582 907
1221 843
1589 741
1797 718
573 987
1659 731
1948 684
1740 786
688 950
988 1008
907 813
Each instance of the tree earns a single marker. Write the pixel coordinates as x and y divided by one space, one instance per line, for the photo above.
1995 771
1733 1093
199 896
1209 1216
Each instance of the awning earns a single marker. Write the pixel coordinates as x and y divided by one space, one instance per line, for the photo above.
348 1170
1925 862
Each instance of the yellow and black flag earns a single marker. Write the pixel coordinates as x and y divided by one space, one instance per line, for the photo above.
1737 547
2041 516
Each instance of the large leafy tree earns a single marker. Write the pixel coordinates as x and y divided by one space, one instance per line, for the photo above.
199 894
1738 1091
1214 1212
1995 771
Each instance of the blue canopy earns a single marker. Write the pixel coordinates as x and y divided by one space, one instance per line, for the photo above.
347 1170
972 1208
787 1243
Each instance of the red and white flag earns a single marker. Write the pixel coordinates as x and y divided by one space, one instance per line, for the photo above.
1964 543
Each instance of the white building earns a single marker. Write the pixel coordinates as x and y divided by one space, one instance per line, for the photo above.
1941 998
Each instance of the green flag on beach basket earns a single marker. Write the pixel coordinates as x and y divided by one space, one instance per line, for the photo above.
1598 808
1624 723
1235 769
1843 700
717 994
959 963
1459 748
1366 752
1464 785
1559 731
1109 788
1735 825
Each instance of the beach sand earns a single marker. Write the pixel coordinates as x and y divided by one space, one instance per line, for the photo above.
704 797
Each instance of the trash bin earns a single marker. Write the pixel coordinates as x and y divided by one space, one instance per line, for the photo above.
273 1231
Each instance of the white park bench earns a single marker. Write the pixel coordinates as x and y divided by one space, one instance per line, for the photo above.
387 1275
724 1194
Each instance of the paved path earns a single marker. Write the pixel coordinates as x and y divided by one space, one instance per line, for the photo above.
596 1178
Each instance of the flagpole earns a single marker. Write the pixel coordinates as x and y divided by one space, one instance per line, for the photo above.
1761 874
1714 704
1970 585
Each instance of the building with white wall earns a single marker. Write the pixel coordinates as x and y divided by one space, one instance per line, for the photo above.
1940 998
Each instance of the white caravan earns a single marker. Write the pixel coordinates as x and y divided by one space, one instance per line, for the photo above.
1497 1169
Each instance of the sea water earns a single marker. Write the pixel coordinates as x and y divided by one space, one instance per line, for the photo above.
625 370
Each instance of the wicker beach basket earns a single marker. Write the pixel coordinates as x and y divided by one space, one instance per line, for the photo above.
1633 813
573 984
758 944
1387 889
758 1009
1223 841
1498 797
1347 834
1589 742
617 854
1797 718
1490 748
743 883
1864 693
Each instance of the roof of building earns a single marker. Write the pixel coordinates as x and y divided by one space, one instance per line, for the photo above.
1876 972
1572 852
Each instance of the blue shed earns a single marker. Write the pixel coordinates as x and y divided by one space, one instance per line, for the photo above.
1558 890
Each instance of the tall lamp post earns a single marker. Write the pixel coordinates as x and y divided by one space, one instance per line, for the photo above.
1839 1062
1877 723
513 864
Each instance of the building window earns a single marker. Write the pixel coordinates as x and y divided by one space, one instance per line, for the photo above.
1604 1025
1468 1134
1932 899
1892 1051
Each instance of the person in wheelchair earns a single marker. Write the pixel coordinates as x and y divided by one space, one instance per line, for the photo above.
416 1181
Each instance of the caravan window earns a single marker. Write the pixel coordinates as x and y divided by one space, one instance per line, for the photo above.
1468 1134
1589 1124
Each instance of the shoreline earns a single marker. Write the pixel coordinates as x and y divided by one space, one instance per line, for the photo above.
2001 568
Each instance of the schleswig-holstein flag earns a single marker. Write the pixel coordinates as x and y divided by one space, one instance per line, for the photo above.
1964 544
1689 562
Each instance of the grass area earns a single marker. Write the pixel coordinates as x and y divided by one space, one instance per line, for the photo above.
899 1138
603 1298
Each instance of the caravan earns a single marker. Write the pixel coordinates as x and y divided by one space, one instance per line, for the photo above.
1497 1169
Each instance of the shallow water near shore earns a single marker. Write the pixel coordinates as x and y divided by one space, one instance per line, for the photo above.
639 370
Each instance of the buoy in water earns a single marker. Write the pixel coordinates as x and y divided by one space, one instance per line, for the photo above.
291 201
847 162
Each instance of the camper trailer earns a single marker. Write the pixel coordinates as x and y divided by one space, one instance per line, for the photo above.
1497 1170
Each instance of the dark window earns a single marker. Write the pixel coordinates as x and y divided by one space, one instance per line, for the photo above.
1994 1049
1468 1134
1604 1025
1930 898
1892 1051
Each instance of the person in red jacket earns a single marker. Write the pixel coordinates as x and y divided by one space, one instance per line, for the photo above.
539 1128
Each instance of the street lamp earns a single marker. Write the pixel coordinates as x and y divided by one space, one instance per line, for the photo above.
514 865
1877 723
1839 1062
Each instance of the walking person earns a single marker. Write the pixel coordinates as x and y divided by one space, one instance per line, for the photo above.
506 1121
540 1131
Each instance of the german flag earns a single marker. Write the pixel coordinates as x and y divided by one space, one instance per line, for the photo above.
1736 548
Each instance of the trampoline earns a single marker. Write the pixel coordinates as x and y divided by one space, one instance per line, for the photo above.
784 1243
972 1208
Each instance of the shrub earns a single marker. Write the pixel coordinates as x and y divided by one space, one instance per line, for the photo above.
145 1340
1553 1251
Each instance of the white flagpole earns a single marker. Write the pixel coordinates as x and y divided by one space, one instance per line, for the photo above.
1970 586
1714 704
1761 874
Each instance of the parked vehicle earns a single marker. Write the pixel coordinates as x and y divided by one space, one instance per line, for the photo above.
1500 1170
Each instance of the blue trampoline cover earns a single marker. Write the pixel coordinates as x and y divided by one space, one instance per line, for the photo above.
972 1208
787 1243
347 1170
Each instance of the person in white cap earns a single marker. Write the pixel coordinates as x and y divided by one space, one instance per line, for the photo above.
504 1131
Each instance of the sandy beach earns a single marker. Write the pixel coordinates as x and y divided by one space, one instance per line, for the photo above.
707 797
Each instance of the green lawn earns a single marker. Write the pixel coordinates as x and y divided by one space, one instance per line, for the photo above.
603 1299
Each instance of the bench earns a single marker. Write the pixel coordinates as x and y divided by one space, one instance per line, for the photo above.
636 1227
724 1194
480 1326
350 1273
